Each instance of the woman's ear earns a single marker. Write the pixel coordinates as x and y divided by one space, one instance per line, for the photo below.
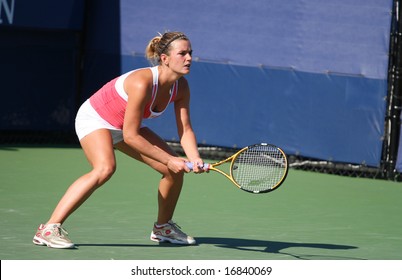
165 59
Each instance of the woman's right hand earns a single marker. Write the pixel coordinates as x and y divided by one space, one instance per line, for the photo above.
177 165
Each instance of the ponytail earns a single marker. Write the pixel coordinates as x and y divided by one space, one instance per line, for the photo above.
161 44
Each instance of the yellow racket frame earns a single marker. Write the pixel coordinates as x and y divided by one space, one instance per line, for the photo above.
232 160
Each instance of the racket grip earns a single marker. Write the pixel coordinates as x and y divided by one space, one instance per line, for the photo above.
190 165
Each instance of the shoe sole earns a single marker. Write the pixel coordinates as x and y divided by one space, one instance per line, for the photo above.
42 242
163 239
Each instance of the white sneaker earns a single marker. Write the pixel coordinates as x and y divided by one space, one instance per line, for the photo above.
172 233
52 235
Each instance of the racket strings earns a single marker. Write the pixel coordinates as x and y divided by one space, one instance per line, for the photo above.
259 168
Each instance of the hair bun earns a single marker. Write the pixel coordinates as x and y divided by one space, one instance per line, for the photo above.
160 44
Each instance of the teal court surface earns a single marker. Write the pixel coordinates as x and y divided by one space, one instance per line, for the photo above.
312 216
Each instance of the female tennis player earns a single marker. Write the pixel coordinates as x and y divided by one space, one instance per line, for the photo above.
112 118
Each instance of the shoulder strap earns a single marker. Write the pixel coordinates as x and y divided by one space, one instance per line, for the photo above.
174 91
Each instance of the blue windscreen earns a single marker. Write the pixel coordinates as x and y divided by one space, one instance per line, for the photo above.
309 76
39 64
340 36
45 14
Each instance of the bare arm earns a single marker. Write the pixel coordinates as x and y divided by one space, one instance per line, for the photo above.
185 130
138 87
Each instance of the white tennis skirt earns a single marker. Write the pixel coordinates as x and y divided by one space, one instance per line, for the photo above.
88 120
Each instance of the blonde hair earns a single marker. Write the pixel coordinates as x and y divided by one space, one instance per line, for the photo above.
161 45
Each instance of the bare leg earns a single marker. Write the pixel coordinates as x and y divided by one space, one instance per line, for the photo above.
170 184
98 148
168 195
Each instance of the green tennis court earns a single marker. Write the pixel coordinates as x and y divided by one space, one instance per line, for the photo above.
311 216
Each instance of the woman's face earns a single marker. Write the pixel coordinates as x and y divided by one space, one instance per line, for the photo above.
179 59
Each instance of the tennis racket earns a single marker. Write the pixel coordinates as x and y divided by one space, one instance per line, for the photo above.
259 168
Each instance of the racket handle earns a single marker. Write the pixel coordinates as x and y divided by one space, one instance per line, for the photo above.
190 165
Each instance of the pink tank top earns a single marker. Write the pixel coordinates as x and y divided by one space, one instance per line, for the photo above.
111 100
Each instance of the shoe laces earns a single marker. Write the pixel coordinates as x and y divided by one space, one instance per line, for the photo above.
176 227
60 231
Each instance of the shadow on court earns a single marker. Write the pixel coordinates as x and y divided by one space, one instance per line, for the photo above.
272 247
261 246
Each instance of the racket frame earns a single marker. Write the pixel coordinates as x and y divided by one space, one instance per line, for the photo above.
232 160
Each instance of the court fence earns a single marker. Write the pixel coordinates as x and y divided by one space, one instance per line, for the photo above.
303 163
59 45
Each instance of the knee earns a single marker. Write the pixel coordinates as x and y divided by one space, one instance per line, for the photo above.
174 177
104 172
